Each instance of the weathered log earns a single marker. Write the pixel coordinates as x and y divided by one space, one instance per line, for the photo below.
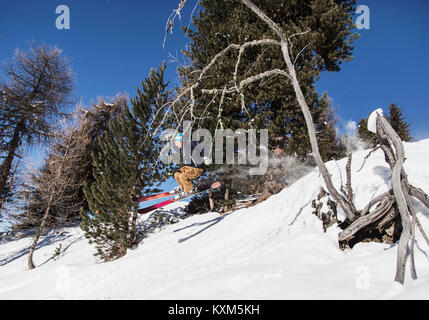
420 195
384 207
389 217
375 201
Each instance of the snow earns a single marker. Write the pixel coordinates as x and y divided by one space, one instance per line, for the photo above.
351 127
372 120
275 250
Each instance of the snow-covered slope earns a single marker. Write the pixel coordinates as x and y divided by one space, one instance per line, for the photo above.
275 250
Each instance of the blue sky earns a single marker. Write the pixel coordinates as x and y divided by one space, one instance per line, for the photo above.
113 44
389 65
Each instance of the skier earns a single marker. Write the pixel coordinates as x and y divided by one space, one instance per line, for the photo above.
187 172
183 178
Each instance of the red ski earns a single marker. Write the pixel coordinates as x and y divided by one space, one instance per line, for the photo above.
178 198
155 196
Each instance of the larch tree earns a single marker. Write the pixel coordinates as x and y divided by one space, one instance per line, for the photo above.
85 126
37 85
55 187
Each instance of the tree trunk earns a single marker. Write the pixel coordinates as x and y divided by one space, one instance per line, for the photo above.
226 208
10 185
37 236
7 163
400 190
133 233
211 202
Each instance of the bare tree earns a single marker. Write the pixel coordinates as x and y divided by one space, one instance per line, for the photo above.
398 197
90 123
38 84
56 181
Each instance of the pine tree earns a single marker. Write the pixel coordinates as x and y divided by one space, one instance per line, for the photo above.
397 121
125 165
329 142
270 104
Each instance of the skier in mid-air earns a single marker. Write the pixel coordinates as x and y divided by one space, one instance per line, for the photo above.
187 172
183 178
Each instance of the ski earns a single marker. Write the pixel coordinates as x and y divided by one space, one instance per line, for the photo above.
179 197
156 196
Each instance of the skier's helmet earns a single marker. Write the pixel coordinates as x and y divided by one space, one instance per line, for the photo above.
178 140
179 137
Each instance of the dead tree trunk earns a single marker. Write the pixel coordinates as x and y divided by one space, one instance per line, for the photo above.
400 190
394 202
